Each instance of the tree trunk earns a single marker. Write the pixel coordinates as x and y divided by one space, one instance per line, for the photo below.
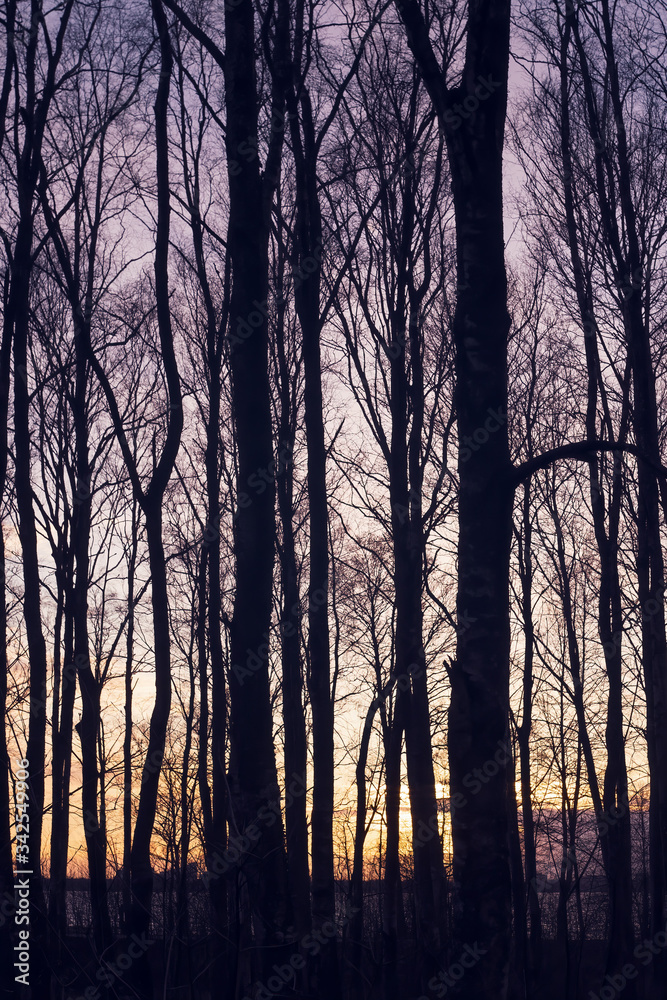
534 953
253 766
255 798
127 728
519 966
141 872
296 739
355 979
479 707
408 537
307 299
64 689
622 242
617 848
183 971
89 686
217 833
36 746
391 886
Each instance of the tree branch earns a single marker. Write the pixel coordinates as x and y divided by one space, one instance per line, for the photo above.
582 450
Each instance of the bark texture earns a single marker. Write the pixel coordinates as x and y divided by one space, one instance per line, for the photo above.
478 714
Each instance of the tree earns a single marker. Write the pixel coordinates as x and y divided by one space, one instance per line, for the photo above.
30 113
207 243
90 198
288 376
150 500
478 713
612 241
398 370
253 773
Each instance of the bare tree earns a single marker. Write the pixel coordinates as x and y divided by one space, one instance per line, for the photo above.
30 112
254 785
6 860
478 714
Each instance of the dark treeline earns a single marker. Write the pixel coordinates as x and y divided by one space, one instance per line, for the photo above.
332 419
